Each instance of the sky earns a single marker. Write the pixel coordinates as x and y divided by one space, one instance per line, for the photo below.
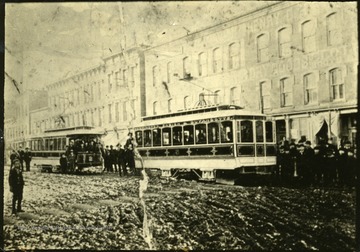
45 42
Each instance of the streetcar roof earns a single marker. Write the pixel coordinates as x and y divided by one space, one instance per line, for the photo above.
72 131
196 115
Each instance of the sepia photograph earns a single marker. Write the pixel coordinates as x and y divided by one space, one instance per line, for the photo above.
180 125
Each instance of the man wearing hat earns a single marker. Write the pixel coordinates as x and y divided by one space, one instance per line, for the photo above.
16 182
27 158
129 140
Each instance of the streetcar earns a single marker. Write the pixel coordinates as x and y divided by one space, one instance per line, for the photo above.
215 143
47 149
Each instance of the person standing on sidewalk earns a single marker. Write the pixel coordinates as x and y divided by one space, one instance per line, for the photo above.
16 182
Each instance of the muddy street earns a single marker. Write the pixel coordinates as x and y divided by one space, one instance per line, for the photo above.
106 212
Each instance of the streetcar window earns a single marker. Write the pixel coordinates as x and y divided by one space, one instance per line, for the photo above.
200 131
63 147
138 137
213 132
166 136
259 131
269 132
157 137
246 131
177 135
189 134
226 132
147 137
55 141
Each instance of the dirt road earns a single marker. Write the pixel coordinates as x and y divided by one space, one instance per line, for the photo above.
104 212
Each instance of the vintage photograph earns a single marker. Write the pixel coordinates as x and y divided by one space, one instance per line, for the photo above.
180 125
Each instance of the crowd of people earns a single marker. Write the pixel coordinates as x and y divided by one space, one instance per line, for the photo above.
325 164
119 159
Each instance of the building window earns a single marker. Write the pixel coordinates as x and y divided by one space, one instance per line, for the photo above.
234 56
186 101
169 72
169 105
125 77
186 67
263 48
154 107
234 96
117 80
310 87
155 73
132 106
109 83
202 66
332 30
124 112
264 95
132 76
336 84
117 112
92 92
99 90
217 64
92 118
217 97
284 42
286 92
308 36
110 116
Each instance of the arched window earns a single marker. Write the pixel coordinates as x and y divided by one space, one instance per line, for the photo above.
234 96
234 56
154 107
264 95
286 92
169 71
310 88
262 48
169 105
336 84
284 37
332 29
202 64
186 102
217 63
155 75
217 97
308 36
186 67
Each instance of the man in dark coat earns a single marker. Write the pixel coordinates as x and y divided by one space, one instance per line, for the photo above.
113 158
129 141
21 157
16 182
121 160
308 165
63 163
27 158
130 159
331 157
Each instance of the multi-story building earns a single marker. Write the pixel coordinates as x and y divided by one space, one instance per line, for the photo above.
17 123
296 61
108 96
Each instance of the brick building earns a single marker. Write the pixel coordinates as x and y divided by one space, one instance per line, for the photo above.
107 96
296 61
